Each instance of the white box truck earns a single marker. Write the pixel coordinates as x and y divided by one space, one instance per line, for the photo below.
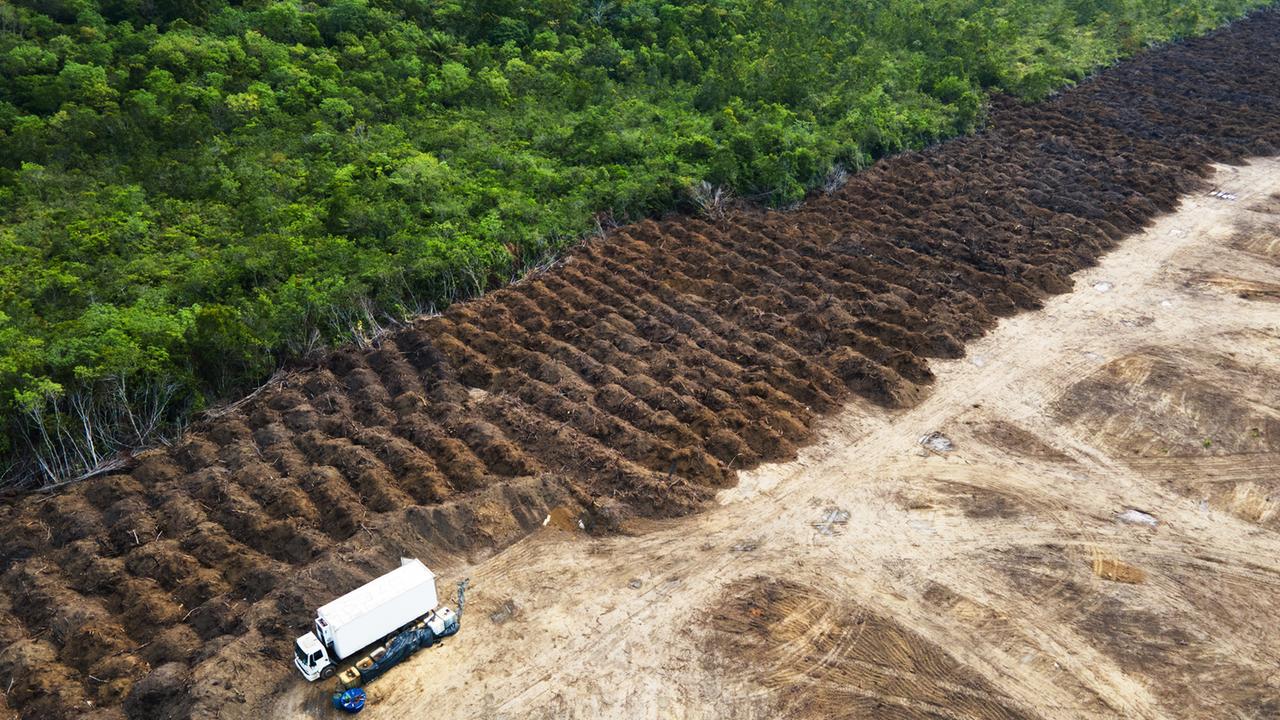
375 611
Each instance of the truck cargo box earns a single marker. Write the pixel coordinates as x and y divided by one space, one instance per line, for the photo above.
372 611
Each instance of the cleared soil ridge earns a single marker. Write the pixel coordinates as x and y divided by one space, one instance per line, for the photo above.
634 378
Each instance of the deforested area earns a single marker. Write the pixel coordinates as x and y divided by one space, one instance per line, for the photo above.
196 193
632 379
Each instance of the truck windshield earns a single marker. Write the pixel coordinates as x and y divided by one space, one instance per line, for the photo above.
297 650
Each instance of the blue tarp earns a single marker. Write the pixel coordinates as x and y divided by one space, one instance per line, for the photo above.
350 700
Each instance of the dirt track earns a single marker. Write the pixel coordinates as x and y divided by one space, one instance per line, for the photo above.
634 380
999 580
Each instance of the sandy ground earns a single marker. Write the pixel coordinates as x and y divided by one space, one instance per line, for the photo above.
876 577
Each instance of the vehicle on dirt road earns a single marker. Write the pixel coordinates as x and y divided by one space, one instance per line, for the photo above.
400 608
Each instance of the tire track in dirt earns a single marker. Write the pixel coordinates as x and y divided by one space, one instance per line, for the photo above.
633 379
835 659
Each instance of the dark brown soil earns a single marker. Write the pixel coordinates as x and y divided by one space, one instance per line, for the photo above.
1175 650
632 379
830 658
1208 404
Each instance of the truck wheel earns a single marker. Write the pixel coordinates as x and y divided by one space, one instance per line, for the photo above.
327 672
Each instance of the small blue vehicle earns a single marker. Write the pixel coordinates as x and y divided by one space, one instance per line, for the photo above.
351 700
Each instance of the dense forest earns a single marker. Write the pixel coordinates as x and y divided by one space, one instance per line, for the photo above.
193 192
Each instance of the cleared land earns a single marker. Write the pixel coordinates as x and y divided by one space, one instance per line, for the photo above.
1009 577
640 376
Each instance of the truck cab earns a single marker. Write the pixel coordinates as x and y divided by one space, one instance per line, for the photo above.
311 658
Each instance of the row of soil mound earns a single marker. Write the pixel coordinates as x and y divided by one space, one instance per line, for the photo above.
634 378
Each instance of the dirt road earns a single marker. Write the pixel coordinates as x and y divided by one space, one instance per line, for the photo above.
1098 540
